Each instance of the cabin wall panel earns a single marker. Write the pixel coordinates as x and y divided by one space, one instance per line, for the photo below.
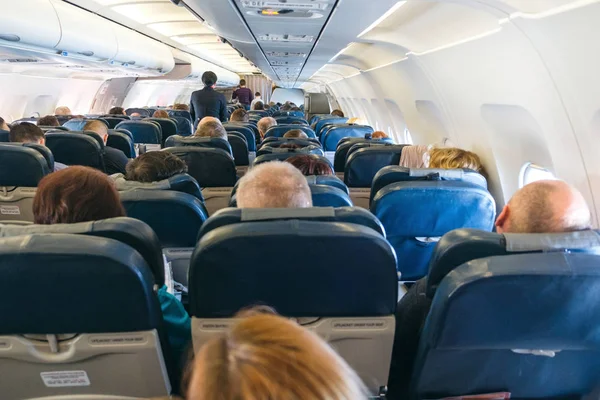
21 95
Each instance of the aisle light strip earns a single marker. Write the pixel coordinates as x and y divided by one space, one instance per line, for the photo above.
383 17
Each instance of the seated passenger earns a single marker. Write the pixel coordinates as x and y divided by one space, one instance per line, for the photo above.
82 194
259 106
540 207
266 356
136 115
257 99
211 127
295 134
63 111
117 111
115 160
240 115
310 164
48 120
182 107
274 184
3 125
338 113
379 135
30 133
160 114
264 124
452 158
155 166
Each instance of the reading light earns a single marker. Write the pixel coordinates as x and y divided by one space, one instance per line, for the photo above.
269 12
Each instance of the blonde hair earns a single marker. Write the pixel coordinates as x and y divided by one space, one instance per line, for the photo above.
452 158
267 357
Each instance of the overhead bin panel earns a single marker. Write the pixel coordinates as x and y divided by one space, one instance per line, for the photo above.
30 23
84 33
138 51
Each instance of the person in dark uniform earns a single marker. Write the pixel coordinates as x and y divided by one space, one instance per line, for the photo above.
208 102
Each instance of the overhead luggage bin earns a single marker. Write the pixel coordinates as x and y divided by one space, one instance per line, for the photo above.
26 23
137 51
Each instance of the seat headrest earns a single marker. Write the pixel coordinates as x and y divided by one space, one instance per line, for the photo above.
244 130
362 165
88 285
510 302
4 136
76 124
24 164
284 156
277 142
75 149
210 167
131 232
279 130
329 180
463 245
181 113
146 132
329 280
208 142
332 136
310 149
184 126
347 145
396 173
328 121
351 215
329 196
144 112
291 120
159 209
180 183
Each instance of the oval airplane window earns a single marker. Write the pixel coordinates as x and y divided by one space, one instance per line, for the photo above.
531 172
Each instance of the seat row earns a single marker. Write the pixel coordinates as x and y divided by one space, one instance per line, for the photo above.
344 289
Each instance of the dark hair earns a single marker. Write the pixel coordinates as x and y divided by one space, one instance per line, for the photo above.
309 164
76 194
242 82
338 113
257 94
180 106
48 120
209 78
259 106
155 166
25 133
290 146
116 111
240 115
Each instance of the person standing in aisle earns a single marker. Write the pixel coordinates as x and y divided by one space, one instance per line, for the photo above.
244 95
208 102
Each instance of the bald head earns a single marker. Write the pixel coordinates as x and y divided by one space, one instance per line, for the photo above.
264 124
98 127
211 127
545 207
274 185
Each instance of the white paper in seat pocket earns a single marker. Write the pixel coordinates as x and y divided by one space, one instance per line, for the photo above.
65 378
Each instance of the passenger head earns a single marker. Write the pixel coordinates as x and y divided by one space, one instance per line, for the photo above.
179 106
257 94
242 82
3 125
295 134
309 164
97 127
48 120
274 185
379 135
338 113
211 127
264 124
155 166
117 111
209 78
26 133
545 207
259 106
160 114
240 115
453 158
136 115
76 194
265 356
63 111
